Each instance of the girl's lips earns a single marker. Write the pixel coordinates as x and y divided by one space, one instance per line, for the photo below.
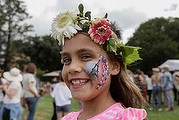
78 82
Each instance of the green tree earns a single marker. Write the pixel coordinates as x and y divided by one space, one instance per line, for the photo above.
43 51
13 14
159 40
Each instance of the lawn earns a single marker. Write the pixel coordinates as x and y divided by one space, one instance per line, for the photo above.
156 115
45 110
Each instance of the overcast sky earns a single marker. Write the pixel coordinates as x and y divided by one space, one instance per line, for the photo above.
128 14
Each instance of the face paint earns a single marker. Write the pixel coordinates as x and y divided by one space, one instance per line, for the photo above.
98 70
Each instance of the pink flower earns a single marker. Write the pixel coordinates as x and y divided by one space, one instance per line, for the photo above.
100 31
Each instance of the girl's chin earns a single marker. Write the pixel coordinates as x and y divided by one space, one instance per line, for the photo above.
79 97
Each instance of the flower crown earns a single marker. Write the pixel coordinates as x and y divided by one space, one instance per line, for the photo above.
69 23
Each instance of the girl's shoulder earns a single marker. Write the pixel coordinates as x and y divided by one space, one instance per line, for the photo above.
114 112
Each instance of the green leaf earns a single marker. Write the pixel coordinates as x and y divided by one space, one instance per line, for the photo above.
88 14
81 8
111 45
129 54
106 15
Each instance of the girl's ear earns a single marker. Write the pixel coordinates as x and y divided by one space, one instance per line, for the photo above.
115 68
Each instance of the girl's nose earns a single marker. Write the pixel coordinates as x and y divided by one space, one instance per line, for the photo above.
75 67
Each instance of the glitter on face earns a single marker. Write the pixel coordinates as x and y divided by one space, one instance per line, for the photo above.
98 70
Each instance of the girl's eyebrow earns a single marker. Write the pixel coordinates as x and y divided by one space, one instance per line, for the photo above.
78 51
63 53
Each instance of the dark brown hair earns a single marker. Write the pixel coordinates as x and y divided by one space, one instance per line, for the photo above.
31 68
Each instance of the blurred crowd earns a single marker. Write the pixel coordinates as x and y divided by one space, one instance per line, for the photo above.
160 87
21 90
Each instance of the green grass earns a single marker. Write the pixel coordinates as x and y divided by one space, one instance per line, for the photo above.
45 110
163 115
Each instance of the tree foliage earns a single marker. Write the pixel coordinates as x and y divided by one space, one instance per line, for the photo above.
13 14
159 40
43 51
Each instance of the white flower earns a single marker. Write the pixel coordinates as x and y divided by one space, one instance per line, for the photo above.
64 26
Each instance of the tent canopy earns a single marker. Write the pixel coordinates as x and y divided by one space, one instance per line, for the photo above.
53 73
172 63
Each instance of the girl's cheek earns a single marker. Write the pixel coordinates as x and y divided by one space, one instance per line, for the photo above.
98 70
64 75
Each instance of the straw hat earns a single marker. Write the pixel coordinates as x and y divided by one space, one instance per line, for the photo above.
166 66
13 75
155 69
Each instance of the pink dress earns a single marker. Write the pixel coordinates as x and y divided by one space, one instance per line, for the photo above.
114 112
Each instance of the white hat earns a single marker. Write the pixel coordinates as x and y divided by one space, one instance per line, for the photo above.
13 75
155 69
166 66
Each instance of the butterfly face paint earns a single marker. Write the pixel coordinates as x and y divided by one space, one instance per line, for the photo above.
98 70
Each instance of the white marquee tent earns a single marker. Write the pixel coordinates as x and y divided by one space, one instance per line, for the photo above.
53 73
172 63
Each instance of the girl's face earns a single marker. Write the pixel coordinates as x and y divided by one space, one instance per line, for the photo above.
86 68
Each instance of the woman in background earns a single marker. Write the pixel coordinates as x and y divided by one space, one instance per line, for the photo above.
11 108
2 82
30 89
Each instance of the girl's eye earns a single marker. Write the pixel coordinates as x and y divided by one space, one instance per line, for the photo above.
86 57
66 60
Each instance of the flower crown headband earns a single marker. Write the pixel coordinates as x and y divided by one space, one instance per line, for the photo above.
67 24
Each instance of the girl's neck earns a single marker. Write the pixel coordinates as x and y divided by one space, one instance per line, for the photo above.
95 106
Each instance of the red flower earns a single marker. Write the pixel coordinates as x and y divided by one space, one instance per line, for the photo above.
100 31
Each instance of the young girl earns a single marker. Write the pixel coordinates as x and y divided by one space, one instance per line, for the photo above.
95 68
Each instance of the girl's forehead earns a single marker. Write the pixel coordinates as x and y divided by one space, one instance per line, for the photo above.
80 42
79 38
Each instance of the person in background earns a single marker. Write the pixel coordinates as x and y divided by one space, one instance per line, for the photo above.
176 83
30 89
162 83
11 109
54 82
174 87
168 88
2 83
157 89
94 68
140 81
62 97
149 86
